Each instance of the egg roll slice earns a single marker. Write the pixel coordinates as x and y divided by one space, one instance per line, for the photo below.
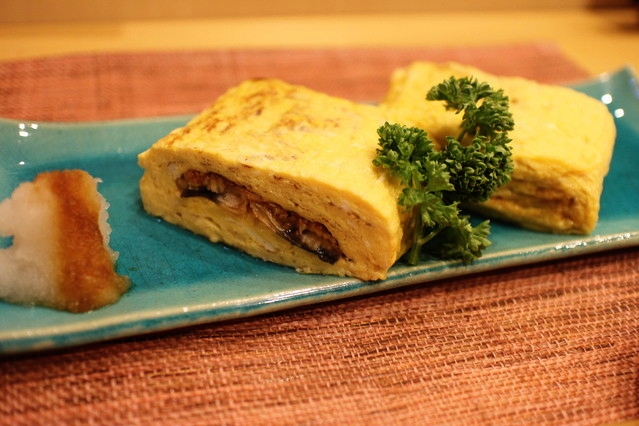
562 145
284 174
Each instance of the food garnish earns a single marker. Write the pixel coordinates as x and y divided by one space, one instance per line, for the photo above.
469 168
59 255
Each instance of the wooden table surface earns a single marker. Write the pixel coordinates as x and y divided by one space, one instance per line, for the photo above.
596 39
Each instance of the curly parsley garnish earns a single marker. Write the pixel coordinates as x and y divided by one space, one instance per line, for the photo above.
469 168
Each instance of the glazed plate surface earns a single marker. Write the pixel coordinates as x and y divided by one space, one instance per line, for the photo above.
181 279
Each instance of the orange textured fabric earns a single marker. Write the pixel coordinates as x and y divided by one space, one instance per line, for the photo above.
100 87
551 343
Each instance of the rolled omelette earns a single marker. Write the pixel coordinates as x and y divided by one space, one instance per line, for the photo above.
284 174
562 144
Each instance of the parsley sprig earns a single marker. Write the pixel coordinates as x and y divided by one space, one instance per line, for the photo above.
469 168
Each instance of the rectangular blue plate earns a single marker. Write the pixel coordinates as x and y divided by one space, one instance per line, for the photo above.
181 279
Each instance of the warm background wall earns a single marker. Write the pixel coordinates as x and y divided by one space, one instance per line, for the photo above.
92 10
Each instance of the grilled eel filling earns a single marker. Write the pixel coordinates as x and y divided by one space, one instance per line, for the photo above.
310 236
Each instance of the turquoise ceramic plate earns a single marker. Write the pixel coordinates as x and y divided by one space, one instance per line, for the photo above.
181 279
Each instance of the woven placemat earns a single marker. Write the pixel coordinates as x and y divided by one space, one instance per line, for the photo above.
550 343
101 87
